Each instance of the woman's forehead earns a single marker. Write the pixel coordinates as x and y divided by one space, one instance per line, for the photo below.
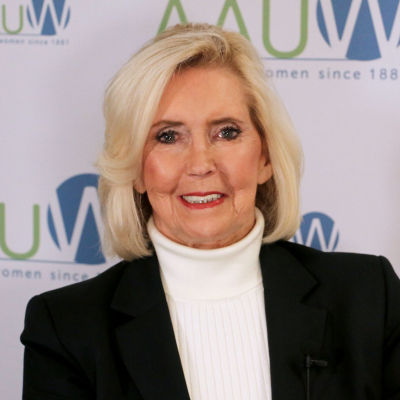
214 93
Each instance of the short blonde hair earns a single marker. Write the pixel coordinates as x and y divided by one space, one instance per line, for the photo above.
131 101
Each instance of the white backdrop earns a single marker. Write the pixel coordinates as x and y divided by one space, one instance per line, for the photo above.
335 63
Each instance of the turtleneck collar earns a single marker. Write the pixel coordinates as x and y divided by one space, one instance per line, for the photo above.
196 274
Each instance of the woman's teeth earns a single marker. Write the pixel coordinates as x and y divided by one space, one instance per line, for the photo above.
202 199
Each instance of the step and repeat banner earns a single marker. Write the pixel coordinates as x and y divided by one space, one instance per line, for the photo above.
335 63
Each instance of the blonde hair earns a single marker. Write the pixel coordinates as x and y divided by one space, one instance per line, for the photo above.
131 101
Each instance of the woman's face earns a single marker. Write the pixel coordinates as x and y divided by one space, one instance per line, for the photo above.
203 160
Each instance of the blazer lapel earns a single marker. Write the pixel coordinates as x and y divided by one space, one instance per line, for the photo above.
291 325
146 340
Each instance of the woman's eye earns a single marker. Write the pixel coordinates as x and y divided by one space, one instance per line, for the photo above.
167 137
229 133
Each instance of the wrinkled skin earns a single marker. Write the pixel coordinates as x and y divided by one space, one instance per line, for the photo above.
203 141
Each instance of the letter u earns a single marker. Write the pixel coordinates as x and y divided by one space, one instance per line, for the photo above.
36 234
21 21
303 31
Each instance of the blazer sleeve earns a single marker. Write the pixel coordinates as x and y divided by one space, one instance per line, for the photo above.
50 371
391 354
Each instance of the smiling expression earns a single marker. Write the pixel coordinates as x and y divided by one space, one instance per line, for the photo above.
203 160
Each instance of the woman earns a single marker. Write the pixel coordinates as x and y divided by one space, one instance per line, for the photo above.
200 167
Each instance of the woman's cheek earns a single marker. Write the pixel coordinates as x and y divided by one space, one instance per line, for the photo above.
241 171
161 172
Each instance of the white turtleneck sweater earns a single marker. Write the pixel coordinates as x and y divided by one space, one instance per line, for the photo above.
216 302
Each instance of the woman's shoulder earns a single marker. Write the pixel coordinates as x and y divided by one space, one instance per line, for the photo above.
318 259
309 253
78 301
95 296
77 312
95 290
341 270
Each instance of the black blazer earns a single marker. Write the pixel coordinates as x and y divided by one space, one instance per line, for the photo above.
111 337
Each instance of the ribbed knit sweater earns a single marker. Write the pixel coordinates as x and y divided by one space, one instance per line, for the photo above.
216 302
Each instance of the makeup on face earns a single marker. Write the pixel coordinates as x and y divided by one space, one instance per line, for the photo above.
203 160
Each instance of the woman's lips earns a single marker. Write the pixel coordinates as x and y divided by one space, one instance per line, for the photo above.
201 200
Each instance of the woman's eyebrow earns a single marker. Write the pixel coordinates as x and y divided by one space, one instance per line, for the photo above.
167 122
225 120
217 121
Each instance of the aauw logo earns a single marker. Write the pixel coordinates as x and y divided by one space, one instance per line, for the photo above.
45 17
352 29
74 219
318 231
360 29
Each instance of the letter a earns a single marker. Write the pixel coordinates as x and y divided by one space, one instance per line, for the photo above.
239 19
172 3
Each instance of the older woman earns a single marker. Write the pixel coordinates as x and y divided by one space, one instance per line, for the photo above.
200 167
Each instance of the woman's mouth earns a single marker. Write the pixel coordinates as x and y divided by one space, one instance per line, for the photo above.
202 200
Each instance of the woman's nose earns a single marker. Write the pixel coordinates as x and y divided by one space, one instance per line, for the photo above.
200 161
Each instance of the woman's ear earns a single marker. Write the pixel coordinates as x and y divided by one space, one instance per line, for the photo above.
139 186
264 172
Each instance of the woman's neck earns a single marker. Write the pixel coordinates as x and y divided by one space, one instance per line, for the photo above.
195 274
